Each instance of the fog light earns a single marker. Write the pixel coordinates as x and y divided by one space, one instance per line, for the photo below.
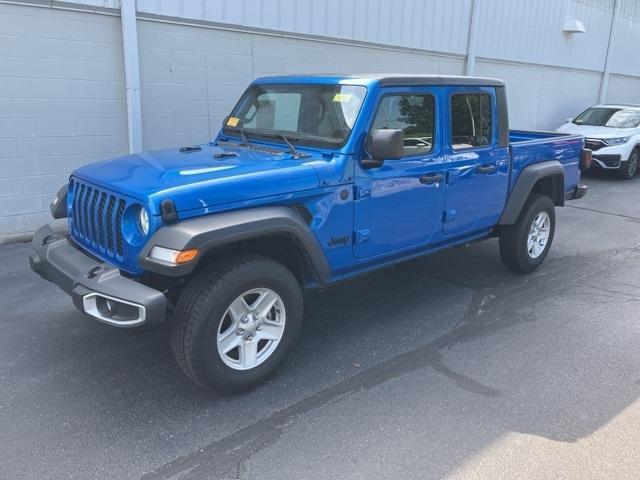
107 307
175 257
111 307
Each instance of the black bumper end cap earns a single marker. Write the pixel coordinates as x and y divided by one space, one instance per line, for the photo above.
579 192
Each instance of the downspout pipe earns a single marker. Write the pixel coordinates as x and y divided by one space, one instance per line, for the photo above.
604 82
472 37
132 74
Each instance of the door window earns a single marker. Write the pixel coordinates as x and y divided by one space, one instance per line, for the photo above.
471 120
413 114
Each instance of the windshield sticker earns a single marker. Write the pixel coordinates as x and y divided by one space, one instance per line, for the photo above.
233 121
342 97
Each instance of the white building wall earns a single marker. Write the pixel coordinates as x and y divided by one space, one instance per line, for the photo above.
62 90
543 97
62 104
518 30
624 89
440 25
531 31
626 59
192 76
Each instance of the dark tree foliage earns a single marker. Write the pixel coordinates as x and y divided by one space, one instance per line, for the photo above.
417 113
471 115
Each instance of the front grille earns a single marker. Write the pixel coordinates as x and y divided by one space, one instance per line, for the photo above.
594 144
97 218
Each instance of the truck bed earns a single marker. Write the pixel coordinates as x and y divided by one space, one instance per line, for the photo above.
519 136
528 146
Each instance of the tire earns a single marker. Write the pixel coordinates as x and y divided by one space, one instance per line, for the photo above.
630 167
515 250
204 316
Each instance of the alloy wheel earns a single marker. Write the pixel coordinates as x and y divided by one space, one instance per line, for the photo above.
251 328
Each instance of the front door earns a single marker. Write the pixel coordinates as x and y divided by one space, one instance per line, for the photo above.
399 205
477 169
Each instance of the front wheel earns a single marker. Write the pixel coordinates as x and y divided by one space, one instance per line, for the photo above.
630 167
524 245
235 324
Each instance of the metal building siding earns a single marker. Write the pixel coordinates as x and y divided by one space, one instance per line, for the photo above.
112 4
517 30
531 31
439 25
626 59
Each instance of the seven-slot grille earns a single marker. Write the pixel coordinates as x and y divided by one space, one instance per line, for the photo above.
97 217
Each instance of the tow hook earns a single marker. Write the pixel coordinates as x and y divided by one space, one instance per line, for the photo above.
49 239
93 272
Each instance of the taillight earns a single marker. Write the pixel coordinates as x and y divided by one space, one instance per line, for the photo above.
585 159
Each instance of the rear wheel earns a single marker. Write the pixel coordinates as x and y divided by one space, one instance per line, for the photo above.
630 167
235 324
524 245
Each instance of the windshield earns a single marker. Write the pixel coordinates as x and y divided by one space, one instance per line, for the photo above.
609 117
312 115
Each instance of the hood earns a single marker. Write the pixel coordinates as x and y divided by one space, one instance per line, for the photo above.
212 175
595 132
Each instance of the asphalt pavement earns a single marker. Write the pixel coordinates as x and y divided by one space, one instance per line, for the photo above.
445 367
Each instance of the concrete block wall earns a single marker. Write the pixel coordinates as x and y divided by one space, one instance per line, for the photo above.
190 79
62 104
543 97
624 89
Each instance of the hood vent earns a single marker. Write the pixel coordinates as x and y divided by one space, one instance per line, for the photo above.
190 149
225 155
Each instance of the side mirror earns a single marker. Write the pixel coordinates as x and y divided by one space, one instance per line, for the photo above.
385 144
569 120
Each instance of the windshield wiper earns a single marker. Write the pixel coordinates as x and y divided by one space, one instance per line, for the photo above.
294 153
292 149
245 142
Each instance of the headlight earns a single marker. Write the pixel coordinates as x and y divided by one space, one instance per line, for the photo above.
143 221
617 141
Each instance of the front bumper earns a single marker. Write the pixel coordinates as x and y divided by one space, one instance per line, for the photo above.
608 157
97 289
607 162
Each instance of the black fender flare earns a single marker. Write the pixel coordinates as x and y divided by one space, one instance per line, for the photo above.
58 206
216 230
527 179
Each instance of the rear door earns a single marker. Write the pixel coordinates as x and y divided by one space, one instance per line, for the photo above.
476 183
399 205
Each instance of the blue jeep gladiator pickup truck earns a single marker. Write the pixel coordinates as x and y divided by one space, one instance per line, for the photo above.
311 180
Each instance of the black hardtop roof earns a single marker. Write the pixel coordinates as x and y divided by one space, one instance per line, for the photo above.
403 79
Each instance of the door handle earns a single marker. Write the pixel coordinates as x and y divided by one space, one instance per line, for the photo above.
486 169
431 178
